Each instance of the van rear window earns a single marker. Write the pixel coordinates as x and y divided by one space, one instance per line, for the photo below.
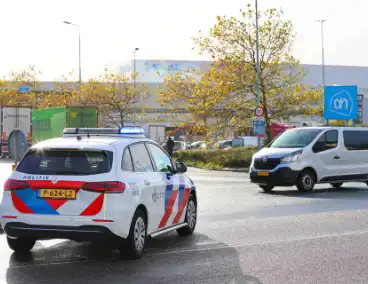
66 162
356 140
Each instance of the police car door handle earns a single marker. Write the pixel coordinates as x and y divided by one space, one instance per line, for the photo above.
337 157
147 182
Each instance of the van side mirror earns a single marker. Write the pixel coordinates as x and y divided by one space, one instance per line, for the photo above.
319 147
180 166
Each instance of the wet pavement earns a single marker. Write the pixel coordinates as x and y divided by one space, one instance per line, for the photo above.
243 236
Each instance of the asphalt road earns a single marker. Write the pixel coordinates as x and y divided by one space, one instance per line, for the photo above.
243 236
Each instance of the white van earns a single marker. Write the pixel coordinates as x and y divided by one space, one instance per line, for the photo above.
309 155
245 141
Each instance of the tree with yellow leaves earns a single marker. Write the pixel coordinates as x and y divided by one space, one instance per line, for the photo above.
232 41
9 87
115 96
201 94
66 93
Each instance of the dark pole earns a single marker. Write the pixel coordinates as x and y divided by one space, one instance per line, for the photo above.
258 69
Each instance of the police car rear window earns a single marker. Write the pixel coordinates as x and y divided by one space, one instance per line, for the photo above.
66 162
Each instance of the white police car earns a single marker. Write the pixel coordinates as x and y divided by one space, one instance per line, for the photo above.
95 184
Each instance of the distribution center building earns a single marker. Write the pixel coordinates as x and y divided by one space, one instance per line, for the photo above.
152 72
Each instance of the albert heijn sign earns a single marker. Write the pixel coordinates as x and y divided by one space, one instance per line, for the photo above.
341 103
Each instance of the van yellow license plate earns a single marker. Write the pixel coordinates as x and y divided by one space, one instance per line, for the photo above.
263 174
57 193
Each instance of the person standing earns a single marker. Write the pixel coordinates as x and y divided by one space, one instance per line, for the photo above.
170 146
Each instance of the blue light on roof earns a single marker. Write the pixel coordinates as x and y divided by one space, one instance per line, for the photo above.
132 130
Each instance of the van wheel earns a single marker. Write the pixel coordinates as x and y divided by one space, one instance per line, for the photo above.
337 185
133 246
20 245
306 181
266 187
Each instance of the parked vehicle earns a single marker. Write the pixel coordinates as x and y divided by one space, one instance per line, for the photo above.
246 141
157 133
13 119
225 144
310 155
179 146
198 145
50 122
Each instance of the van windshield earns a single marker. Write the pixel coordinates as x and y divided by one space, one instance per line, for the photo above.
295 138
66 162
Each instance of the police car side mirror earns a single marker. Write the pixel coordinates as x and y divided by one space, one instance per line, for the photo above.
181 167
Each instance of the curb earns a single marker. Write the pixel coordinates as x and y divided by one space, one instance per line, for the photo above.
239 170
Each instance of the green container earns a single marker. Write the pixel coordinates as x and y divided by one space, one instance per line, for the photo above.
50 122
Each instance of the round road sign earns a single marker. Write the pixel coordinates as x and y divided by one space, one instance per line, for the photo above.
17 144
259 111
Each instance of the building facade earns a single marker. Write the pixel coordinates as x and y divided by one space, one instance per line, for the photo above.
152 72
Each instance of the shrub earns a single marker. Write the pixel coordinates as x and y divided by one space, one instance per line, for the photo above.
216 159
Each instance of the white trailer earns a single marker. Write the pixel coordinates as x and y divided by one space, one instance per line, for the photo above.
157 133
14 118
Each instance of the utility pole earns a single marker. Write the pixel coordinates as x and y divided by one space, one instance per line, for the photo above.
323 51
134 84
258 69
79 51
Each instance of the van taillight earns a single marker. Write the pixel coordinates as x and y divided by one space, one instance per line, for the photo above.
106 187
12 184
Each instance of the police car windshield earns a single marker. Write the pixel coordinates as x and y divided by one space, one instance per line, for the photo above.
66 162
295 138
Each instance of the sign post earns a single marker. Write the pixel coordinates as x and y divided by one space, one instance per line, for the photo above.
259 126
340 103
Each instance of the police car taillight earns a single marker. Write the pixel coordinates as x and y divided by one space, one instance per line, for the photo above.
12 184
105 187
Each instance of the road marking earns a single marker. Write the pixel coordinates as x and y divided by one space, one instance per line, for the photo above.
218 247
359 232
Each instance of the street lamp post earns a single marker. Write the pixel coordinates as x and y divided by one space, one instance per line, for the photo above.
134 82
258 68
79 41
323 51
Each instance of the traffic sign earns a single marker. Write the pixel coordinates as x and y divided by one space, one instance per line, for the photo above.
341 102
259 111
259 127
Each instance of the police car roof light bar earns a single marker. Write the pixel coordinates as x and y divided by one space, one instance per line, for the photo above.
132 130
125 131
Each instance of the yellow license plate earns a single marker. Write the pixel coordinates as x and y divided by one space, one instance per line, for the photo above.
263 174
57 193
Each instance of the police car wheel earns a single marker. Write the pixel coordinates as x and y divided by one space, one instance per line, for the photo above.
20 245
133 246
190 218
306 181
266 187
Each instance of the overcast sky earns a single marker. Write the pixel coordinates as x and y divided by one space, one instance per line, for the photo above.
32 31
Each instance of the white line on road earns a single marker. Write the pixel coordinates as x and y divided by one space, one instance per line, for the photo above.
218 247
359 232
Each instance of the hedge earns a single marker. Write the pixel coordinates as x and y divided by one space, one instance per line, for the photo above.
217 159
